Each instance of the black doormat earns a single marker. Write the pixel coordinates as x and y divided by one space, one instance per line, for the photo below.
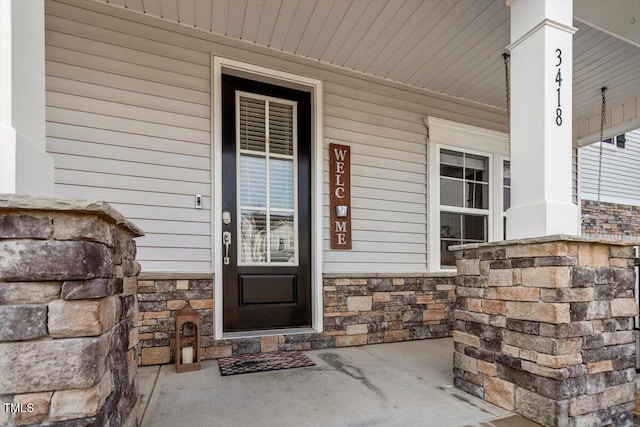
262 362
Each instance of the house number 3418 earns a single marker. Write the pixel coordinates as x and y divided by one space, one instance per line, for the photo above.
559 82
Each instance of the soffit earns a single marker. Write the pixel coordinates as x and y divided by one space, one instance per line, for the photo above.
453 47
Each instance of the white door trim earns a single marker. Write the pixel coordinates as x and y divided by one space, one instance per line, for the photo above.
282 78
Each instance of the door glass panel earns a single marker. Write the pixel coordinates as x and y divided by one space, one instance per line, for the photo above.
253 236
267 182
281 183
281 128
282 237
252 124
252 181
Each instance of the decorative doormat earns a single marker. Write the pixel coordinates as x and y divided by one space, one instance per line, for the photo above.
262 362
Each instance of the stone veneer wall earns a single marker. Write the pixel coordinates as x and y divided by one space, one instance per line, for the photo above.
358 309
616 220
68 314
544 328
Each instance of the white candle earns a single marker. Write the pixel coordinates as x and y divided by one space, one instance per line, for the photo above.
187 355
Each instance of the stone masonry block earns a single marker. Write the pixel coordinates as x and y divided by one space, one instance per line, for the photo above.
73 228
621 251
539 312
80 403
201 304
359 303
518 293
357 329
468 267
584 404
624 307
464 362
601 366
487 368
467 339
155 356
544 371
494 307
583 277
538 250
89 289
51 365
543 410
129 286
24 227
593 255
23 322
499 392
82 318
617 395
350 340
28 292
268 344
40 401
546 277
559 361
182 284
500 278
396 335
568 295
54 260
468 316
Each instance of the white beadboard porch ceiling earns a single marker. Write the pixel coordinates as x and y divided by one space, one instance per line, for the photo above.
453 47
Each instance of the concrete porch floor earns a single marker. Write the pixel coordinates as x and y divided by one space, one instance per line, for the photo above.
400 384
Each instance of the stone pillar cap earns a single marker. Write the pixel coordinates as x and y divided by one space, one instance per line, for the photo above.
18 202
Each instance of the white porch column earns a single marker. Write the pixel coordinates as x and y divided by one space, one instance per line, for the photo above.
541 119
25 166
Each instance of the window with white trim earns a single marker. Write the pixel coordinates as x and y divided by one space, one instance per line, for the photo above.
464 201
506 194
466 184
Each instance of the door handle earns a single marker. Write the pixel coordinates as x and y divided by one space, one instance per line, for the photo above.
226 241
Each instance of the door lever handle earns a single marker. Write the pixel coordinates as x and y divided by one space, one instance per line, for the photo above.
226 241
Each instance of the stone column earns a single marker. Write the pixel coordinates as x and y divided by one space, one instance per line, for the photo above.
68 313
541 119
544 328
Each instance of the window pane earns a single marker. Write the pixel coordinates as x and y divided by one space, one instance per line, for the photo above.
452 171
281 183
451 192
450 225
507 198
506 174
476 168
447 258
452 158
253 178
477 196
282 238
475 228
253 236
252 124
281 128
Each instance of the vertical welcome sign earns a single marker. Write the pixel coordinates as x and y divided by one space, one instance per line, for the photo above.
340 195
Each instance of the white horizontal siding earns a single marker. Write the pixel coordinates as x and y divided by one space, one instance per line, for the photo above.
129 122
388 181
620 181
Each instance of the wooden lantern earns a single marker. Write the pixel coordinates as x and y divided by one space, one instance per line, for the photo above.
187 349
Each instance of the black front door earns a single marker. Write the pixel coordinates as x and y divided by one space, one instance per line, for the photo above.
266 204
